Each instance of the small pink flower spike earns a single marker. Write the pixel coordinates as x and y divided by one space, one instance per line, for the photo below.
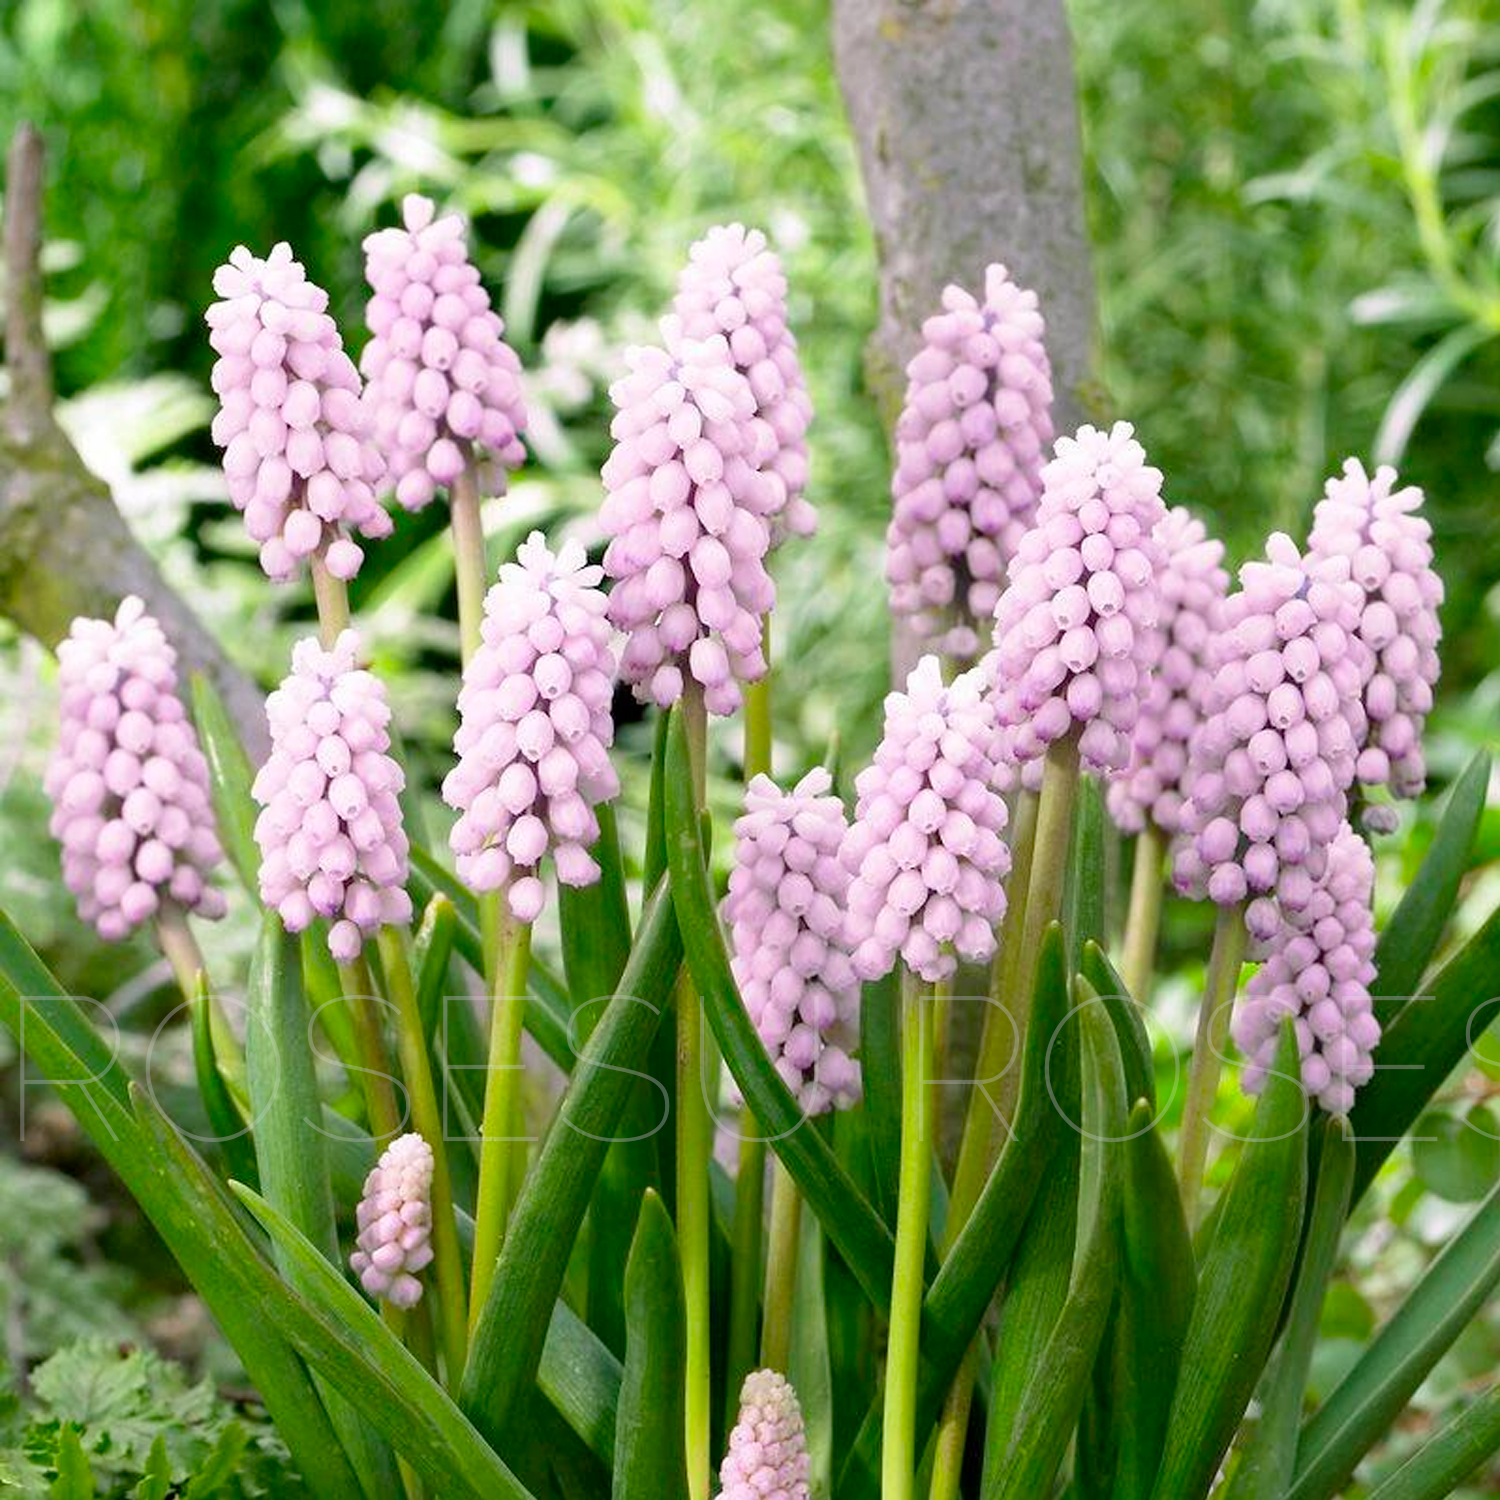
394 1219
128 783
686 509
786 914
1388 544
442 379
330 834
1271 763
767 1457
970 445
733 286
291 420
1319 971
925 848
535 729
1193 586
1074 628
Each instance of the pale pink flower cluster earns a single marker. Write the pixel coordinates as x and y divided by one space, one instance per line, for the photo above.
394 1220
925 848
1388 545
1074 628
442 379
330 834
128 783
969 448
1193 585
686 510
767 1456
535 729
291 420
785 911
1273 760
1318 970
733 285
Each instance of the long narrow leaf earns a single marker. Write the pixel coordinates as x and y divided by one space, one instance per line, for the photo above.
229 780
232 1135
581 1378
1449 1457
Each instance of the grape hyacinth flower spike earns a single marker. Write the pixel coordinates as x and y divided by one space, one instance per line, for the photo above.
1074 626
394 1220
442 379
785 911
291 418
686 509
128 783
970 443
330 834
767 1455
1388 544
733 286
535 729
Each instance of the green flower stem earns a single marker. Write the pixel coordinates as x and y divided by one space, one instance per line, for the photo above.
502 1154
180 947
470 567
781 1269
1144 918
375 1078
898 1448
427 1119
1219 986
332 597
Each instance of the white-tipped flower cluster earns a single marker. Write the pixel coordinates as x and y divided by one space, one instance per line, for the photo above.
534 729
1388 545
785 911
767 1457
733 285
1318 970
969 447
686 512
394 1219
925 848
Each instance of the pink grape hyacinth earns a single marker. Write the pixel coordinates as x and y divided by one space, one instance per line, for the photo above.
970 444
394 1220
330 834
128 783
535 728
1272 762
686 510
767 1455
442 379
785 911
1074 628
1318 970
925 849
1193 586
733 285
1388 544
291 420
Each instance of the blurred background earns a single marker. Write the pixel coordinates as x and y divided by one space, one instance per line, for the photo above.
1295 213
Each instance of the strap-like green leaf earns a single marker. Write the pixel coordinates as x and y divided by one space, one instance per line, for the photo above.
581 1378
229 780
431 955
880 1075
595 923
1083 888
1130 1027
232 1135
1450 1456
810 1371
650 1461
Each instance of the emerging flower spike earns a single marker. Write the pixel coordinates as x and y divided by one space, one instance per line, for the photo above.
1319 972
395 1222
291 420
330 834
1193 585
1074 629
441 377
767 1457
128 783
925 848
733 285
969 447
1271 764
534 728
785 910
686 509
1388 545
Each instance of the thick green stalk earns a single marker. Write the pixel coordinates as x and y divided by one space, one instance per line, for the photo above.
332 597
374 1068
781 1269
470 568
898 1449
1144 918
1219 986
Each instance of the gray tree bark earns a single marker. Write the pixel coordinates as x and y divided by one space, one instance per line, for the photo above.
65 549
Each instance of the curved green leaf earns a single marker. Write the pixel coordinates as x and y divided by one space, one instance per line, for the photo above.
581 1378
1083 887
1449 1457
431 955
230 778
1125 1011
231 1133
